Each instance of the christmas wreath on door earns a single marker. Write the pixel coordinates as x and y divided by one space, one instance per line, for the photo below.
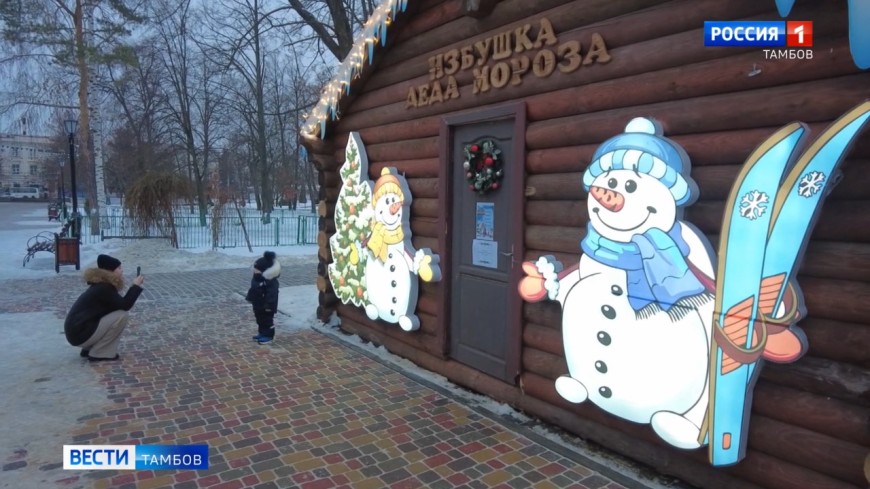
483 166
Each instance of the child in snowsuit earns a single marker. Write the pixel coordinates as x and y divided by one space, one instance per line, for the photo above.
263 296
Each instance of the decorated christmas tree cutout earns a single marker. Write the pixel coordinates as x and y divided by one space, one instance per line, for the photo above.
652 331
375 264
353 215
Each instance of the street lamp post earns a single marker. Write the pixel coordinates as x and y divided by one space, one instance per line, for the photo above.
71 125
66 248
63 192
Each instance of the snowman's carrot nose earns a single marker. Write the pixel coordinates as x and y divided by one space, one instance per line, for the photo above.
609 199
395 207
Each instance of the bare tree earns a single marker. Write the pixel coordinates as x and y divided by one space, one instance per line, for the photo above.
334 21
243 37
191 79
141 142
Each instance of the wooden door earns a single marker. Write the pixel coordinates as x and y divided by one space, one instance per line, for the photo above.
486 254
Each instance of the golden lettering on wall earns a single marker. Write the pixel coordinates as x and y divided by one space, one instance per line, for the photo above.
503 60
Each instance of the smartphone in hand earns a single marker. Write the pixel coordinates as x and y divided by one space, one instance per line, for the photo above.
138 271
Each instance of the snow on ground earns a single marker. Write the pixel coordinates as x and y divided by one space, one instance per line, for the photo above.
153 255
297 306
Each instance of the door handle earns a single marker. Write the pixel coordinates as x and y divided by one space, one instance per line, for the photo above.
511 255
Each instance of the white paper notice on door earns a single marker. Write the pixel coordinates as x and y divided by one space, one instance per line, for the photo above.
484 253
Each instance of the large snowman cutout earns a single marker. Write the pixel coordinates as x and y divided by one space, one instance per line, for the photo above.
375 263
638 308
650 335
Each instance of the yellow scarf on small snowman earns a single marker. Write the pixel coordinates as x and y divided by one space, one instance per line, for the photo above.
382 238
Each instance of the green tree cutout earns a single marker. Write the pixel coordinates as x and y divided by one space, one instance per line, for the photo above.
353 214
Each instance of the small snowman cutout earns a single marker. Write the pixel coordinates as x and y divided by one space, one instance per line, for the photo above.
392 260
638 307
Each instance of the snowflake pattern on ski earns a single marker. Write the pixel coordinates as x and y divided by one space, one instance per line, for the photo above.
811 184
752 205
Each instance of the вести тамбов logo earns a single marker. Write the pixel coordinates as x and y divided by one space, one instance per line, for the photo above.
778 39
135 457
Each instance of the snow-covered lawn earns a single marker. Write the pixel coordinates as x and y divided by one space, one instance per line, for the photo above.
285 227
153 255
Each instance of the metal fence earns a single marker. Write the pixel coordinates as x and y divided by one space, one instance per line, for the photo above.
283 229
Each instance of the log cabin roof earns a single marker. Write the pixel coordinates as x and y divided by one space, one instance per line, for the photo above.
374 33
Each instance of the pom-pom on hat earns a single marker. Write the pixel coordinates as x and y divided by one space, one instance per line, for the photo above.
386 184
642 148
106 262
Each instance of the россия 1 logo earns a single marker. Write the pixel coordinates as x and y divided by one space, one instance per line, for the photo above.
794 38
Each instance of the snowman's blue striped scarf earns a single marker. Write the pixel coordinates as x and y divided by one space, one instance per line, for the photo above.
655 264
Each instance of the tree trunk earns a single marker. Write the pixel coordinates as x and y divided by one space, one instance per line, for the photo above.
99 194
84 156
99 172
262 156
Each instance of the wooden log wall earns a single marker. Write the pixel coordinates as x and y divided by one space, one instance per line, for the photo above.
809 421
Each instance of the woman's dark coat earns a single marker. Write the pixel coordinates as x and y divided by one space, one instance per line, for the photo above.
102 297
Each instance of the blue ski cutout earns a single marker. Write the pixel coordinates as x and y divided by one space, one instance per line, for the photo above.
741 261
793 213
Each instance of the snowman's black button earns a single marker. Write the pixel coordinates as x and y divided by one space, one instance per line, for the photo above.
608 311
605 391
392 312
616 290
601 366
393 283
392 268
395 300
603 338
390 255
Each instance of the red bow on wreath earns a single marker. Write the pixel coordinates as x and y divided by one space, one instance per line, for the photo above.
483 166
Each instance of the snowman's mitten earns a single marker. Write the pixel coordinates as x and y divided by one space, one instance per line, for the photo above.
531 287
426 266
542 279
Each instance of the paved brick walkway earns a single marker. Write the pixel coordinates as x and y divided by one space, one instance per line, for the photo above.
306 412
205 284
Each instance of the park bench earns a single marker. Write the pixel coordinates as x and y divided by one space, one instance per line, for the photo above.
45 241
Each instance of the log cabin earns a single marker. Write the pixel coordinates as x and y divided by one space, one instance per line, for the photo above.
430 83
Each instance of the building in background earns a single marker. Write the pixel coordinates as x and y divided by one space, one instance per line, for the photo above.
30 161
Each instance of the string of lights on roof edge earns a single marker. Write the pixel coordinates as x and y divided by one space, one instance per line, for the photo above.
374 32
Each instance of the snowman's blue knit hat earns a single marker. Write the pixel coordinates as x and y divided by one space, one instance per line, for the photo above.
642 148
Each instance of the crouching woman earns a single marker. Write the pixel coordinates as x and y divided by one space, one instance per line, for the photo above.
97 319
